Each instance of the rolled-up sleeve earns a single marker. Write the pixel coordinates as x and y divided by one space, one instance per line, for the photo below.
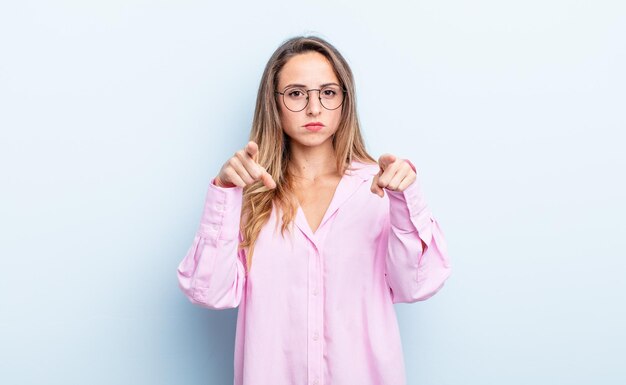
417 262
212 273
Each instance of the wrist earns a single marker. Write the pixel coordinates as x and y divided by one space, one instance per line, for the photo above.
218 182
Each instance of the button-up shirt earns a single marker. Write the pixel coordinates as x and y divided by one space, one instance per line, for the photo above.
316 308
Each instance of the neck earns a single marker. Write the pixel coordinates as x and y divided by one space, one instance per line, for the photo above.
313 162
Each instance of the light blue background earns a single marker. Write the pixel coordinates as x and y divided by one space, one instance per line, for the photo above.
114 115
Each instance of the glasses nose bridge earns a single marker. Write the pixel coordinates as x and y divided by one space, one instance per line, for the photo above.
319 97
319 92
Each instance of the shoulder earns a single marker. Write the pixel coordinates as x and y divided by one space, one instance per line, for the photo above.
362 169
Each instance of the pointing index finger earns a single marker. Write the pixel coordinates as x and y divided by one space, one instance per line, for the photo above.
252 150
385 160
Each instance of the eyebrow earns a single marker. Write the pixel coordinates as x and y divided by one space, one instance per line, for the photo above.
302 85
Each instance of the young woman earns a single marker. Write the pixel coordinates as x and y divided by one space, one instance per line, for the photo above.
312 238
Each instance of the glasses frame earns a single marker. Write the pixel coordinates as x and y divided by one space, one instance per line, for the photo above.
319 96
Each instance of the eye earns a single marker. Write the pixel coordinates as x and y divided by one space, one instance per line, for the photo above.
295 93
329 92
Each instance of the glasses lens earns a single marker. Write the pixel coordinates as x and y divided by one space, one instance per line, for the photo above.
295 98
332 97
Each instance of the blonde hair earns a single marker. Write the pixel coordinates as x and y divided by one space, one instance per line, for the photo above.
274 153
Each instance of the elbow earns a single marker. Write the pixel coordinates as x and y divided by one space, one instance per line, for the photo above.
423 289
205 298
425 292
431 285
209 297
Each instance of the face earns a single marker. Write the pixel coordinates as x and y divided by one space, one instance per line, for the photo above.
312 70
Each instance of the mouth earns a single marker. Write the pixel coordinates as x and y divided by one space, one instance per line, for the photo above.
315 126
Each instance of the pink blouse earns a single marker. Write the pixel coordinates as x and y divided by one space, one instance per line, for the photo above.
317 307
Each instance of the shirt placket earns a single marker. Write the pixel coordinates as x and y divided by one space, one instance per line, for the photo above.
315 317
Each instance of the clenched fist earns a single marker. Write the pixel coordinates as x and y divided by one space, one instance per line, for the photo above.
242 169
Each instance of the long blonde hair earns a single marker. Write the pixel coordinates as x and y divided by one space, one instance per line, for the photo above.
274 153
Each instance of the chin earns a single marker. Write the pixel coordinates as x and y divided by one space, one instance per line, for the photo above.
310 140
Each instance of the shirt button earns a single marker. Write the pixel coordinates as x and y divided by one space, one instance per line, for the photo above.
314 291
315 382
219 208
316 336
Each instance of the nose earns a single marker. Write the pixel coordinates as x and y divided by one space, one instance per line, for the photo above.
314 107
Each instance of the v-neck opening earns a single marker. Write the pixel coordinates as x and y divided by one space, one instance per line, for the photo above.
350 182
328 209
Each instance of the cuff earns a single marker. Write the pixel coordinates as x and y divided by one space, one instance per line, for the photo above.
409 211
221 213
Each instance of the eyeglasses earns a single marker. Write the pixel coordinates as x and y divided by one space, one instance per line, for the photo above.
297 98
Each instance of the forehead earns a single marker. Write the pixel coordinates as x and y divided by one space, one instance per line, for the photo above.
310 69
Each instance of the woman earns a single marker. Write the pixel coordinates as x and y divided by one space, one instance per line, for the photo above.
315 299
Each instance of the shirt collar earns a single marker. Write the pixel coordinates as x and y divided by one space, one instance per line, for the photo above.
363 170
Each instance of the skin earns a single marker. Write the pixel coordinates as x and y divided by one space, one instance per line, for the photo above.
242 169
312 153
313 156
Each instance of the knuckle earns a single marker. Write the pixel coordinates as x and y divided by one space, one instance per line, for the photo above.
254 173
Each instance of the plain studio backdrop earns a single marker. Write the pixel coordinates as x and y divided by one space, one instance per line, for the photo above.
115 115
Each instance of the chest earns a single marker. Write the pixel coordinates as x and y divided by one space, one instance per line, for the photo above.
315 198
352 236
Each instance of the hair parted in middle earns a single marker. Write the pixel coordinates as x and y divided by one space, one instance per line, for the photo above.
274 150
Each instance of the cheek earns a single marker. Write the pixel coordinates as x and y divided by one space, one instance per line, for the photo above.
337 117
287 122
281 115
284 114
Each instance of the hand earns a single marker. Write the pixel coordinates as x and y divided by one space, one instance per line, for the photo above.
395 174
242 169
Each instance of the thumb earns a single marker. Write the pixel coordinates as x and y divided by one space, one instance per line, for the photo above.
267 179
375 188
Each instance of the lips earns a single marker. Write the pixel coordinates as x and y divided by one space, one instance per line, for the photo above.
314 126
